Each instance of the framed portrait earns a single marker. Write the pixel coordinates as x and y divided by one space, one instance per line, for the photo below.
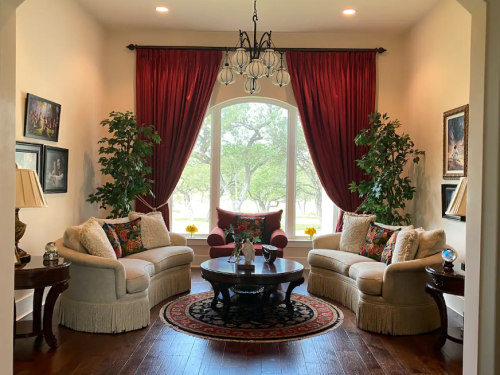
42 119
30 156
455 142
447 191
55 170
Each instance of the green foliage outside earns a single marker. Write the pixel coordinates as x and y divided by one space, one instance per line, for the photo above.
124 159
385 191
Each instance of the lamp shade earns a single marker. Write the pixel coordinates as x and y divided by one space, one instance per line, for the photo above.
458 204
28 190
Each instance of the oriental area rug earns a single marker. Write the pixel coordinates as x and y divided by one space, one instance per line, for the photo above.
193 315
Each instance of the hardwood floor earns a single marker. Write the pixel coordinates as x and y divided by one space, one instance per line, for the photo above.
158 349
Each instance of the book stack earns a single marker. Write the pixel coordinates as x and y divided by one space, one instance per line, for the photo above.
458 202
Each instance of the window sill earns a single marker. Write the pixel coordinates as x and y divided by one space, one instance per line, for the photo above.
295 242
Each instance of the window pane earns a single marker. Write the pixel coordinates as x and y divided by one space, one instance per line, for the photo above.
253 158
313 208
191 201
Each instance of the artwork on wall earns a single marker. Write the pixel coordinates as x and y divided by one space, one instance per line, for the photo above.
455 142
30 156
447 191
55 170
42 119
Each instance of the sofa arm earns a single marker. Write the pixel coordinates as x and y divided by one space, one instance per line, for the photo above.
327 241
177 239
216 237
93 279
279 239
404 282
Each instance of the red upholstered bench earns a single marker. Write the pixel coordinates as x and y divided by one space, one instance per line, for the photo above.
273 234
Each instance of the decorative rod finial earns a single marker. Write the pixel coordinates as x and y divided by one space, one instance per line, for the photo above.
131 47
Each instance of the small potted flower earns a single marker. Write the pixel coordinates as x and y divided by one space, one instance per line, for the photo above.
310 232
191 229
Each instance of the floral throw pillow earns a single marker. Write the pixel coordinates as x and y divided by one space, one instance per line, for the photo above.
253 225
386 256
376 239
127 235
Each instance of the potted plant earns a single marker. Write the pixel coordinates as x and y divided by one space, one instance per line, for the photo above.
385 191
123 157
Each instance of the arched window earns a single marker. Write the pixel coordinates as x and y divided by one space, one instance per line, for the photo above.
251 156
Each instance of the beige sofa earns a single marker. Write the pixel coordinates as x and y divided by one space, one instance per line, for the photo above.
386 299
112 296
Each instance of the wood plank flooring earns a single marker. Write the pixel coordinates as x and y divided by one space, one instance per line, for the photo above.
159 350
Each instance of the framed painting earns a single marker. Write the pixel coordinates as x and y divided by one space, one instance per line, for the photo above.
42 119
447 191
30 156
55 170
455 142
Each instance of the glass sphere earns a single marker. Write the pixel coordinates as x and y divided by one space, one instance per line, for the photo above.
226 76
252 86
51 247
255 69
281 77
240 61
449 255
269 58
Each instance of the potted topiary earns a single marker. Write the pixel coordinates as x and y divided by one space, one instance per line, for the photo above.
385 191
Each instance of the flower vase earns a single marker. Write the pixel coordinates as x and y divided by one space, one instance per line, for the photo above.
191 235
310 238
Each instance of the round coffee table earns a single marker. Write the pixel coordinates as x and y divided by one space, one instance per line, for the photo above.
224 275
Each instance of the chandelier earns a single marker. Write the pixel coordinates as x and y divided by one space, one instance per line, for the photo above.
254 62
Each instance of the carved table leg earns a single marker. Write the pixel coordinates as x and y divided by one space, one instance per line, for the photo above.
216 288
37 309
54 293
224 289
441 304
291 287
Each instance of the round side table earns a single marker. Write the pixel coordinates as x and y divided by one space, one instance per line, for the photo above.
39 274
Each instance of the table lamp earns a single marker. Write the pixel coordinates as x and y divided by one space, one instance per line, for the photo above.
28 195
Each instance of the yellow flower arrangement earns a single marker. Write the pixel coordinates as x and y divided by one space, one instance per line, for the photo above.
310 231
191 229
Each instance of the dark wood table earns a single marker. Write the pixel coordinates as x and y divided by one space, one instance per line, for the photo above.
38 275
439 282
224 275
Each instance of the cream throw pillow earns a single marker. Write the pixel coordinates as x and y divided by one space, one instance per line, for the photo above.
430 242
354 232
95 240
154 232
406 246
121 220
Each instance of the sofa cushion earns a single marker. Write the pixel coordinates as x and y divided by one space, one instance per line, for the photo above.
72 238
335 260
389 247
95 240
430 242
369 277
406 246
354 232
167 257
376 239
226 250
154 232
137 273
128 235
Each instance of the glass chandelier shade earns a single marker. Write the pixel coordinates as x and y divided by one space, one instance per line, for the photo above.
255 69
281 77
226 76
270 72
269 59
240 60
252 86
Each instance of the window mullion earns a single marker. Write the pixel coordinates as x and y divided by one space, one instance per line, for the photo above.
291 172
215 166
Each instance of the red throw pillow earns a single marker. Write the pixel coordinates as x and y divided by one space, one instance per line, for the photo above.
376 239
254 225
128 235
389 248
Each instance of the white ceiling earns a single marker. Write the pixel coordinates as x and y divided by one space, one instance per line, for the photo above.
275 15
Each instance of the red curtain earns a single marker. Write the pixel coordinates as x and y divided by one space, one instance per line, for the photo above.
173 90
335 93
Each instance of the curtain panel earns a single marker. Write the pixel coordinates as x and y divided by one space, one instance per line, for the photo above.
335 92
173 90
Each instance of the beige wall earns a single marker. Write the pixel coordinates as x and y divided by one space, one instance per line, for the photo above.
120 63
438 63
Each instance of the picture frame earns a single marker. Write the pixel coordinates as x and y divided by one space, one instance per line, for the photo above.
55 170
447 191
30 156
42 118
455 143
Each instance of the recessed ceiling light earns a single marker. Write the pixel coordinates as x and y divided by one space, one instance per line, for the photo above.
162 9
349 12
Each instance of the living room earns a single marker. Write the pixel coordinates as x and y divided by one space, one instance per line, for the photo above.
427 65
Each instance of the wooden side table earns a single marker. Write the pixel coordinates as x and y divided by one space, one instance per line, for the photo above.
439 282
38 275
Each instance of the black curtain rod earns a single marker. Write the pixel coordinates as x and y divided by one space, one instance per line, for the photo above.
379 50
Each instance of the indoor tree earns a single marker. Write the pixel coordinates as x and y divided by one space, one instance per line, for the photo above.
123 157
385 190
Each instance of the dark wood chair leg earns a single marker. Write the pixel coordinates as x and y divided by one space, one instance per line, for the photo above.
48 311
443 313
289 291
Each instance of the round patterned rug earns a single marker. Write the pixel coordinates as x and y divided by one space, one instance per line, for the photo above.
193 315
